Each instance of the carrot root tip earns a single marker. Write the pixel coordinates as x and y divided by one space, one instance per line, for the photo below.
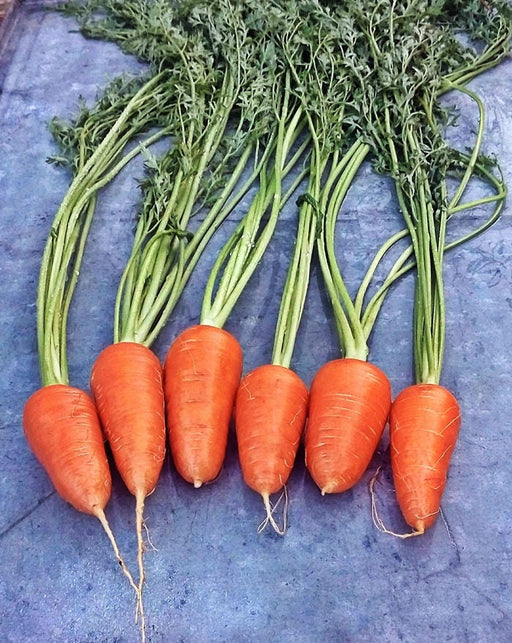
418 530
100 515
330 487
270 509
197 484
140 525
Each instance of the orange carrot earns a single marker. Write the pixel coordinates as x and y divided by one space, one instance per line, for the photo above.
349 404
271 409
424 425
126 381
62 428
202 371
349 399
204 365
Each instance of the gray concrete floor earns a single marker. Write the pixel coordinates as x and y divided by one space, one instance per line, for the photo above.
333 577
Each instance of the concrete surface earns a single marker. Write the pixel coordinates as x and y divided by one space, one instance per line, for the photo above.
333 577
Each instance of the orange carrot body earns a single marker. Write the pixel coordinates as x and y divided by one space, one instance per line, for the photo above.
126 382
271 409
63 430
202 372
424 425
349 405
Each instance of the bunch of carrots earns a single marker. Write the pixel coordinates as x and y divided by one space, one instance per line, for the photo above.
260 102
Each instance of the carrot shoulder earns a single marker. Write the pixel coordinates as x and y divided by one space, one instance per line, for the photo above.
63 430
424 426
348 408
202 371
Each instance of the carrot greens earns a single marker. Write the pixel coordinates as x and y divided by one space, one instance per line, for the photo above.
223 107
244 249
404 121
96 152
60 421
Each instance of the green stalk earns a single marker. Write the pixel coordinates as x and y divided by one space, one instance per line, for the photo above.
177 278
244 249
354 343
401 267
66 241
158 257
225 301
297 281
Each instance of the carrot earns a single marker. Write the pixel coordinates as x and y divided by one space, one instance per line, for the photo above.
61 422
126 382
202 372
271 403
349 398
349 406
424 425
418 159
271 409
62 428
203 367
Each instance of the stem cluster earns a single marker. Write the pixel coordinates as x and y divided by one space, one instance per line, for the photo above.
252 89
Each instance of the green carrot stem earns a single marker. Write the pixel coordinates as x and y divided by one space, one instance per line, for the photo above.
245 245
402 266
297 280
352 339
65 248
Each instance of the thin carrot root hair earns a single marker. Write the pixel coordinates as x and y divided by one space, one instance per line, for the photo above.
148 537
377 520
139 526
270 509
100 514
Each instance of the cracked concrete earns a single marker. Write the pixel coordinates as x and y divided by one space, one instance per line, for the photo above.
15 524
